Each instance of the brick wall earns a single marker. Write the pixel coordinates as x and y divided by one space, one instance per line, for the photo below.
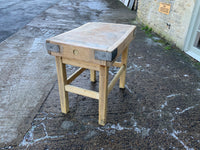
174 26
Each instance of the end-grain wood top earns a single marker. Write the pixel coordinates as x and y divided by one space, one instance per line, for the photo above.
96 35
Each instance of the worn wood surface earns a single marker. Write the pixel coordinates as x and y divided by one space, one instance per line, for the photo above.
81 91
81 64
80 47
103 94
92 75
95 35
117 64
124 62
116 77
82 43
62 81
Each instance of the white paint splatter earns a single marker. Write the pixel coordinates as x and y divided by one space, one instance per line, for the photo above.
114 70
29 137
126 86
129 68
161 148
119 127
173 95
111 129
8 147
147 65
163 105
143 108
144 131
45 117
137 130
191 107
42 119
186 75
174 135
134 67
111 73
140 57
134 122
100 129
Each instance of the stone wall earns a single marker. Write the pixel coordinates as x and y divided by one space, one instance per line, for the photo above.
173 26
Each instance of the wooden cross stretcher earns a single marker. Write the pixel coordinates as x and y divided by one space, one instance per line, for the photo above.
94 46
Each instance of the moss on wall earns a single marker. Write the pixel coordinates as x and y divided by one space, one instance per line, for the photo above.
172 27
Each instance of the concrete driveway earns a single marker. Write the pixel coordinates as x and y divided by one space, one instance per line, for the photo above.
15 14
159 109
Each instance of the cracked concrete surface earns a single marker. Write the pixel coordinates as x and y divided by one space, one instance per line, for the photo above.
159 108
26 78
14 15
27 71
25 68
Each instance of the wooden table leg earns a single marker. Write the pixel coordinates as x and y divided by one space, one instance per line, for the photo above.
92 75
62 81
103 94
123 75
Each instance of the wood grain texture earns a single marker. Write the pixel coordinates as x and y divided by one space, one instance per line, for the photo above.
116 77
95 35
62 81
124 62
81 64
117 64
92 37
103 94
80 47
81 91
92 75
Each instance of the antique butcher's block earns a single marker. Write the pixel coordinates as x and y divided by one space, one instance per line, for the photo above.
94 46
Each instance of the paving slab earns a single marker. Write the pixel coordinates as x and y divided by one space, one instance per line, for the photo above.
14 15
159 108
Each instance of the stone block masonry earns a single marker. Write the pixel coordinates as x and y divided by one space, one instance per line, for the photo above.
173 26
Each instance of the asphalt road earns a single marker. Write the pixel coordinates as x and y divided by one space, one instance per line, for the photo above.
15 14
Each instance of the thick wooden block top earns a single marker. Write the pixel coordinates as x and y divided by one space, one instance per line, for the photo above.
92 41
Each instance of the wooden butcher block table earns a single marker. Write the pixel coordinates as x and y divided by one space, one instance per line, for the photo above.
93 46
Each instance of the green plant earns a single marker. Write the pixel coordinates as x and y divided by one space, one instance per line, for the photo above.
161 41
150 29
197 65
147 31
168 47
149 35
145 28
